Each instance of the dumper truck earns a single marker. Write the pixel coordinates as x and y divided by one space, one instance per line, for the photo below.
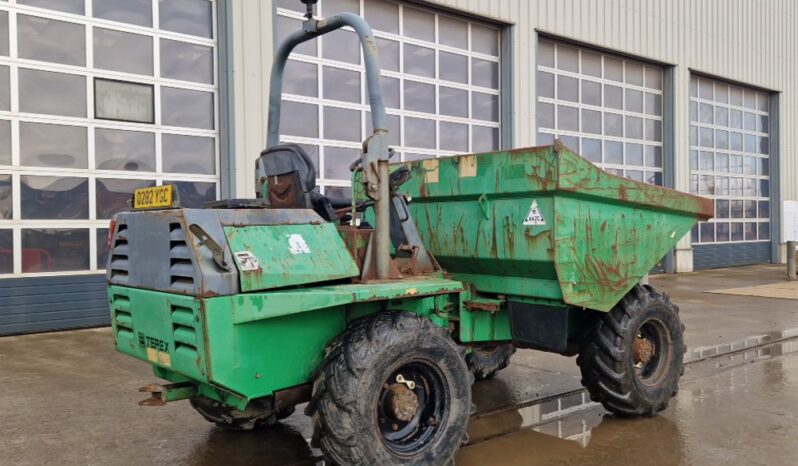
380 311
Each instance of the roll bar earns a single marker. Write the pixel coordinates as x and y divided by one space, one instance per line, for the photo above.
375 147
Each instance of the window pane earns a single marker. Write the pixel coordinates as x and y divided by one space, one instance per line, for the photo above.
545 84
419 97
55 250
567 58
484 73
67 6
591 93
5 142
52 93
453 67
453 102
634 101
484 106
114 195
342 46
188 154
419 24
102 248
189 62
634 127
567 118
337 161
545 115
546 53
124 150
484 139
341 84
192 17
591 149
567 88
6 199
591 121
6 251
419 133
297 119
452 32
454 136
194 193
613 97
382 15
301 78
138 12
123 101
4 33
46 145
183 107
5 88
484 39
613 124
50 40
419 60
389 54
331 7
342 124
51 197
122 51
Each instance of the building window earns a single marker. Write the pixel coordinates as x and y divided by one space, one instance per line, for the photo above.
440 80
94 103
730 160
605 107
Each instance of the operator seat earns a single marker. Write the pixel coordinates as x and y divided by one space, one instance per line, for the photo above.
290 176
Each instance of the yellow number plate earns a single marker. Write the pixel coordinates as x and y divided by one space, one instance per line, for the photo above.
153 198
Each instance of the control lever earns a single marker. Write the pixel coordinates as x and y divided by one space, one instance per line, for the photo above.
211 244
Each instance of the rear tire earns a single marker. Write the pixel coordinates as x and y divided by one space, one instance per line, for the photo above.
256 416
632 360
393 389
486 361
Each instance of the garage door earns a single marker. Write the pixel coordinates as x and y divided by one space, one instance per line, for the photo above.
606 107
440 78
730 163
96 99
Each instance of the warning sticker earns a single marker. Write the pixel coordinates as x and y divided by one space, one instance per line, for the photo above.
534 216
297 244
247 261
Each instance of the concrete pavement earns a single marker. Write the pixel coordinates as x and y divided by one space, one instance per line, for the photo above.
68 398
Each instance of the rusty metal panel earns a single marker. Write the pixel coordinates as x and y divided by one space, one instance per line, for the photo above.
277 256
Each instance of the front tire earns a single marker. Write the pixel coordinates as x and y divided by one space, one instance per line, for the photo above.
393 389
632 360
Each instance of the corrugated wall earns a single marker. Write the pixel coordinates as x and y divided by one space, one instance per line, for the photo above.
750 41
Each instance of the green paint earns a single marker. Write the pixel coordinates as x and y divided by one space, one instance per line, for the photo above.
291 255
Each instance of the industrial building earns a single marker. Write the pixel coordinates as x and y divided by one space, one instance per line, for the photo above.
100 97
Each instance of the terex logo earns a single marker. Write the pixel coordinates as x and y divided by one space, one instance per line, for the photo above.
152 342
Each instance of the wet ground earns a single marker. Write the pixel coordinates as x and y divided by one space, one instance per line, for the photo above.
68 398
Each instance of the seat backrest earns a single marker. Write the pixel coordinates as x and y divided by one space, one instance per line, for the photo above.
286 176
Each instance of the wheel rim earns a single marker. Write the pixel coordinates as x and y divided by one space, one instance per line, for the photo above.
412 407
652 352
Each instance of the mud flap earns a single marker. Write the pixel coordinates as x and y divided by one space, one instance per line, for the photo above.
540 327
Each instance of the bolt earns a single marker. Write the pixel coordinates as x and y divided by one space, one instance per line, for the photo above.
257 375
394 427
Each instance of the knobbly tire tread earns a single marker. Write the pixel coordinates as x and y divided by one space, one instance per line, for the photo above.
233 419
605 356
340 405
485 366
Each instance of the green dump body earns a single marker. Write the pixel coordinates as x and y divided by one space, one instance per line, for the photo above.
545 224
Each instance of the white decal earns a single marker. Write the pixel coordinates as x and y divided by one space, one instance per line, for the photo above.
247 261
297 244
534 216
